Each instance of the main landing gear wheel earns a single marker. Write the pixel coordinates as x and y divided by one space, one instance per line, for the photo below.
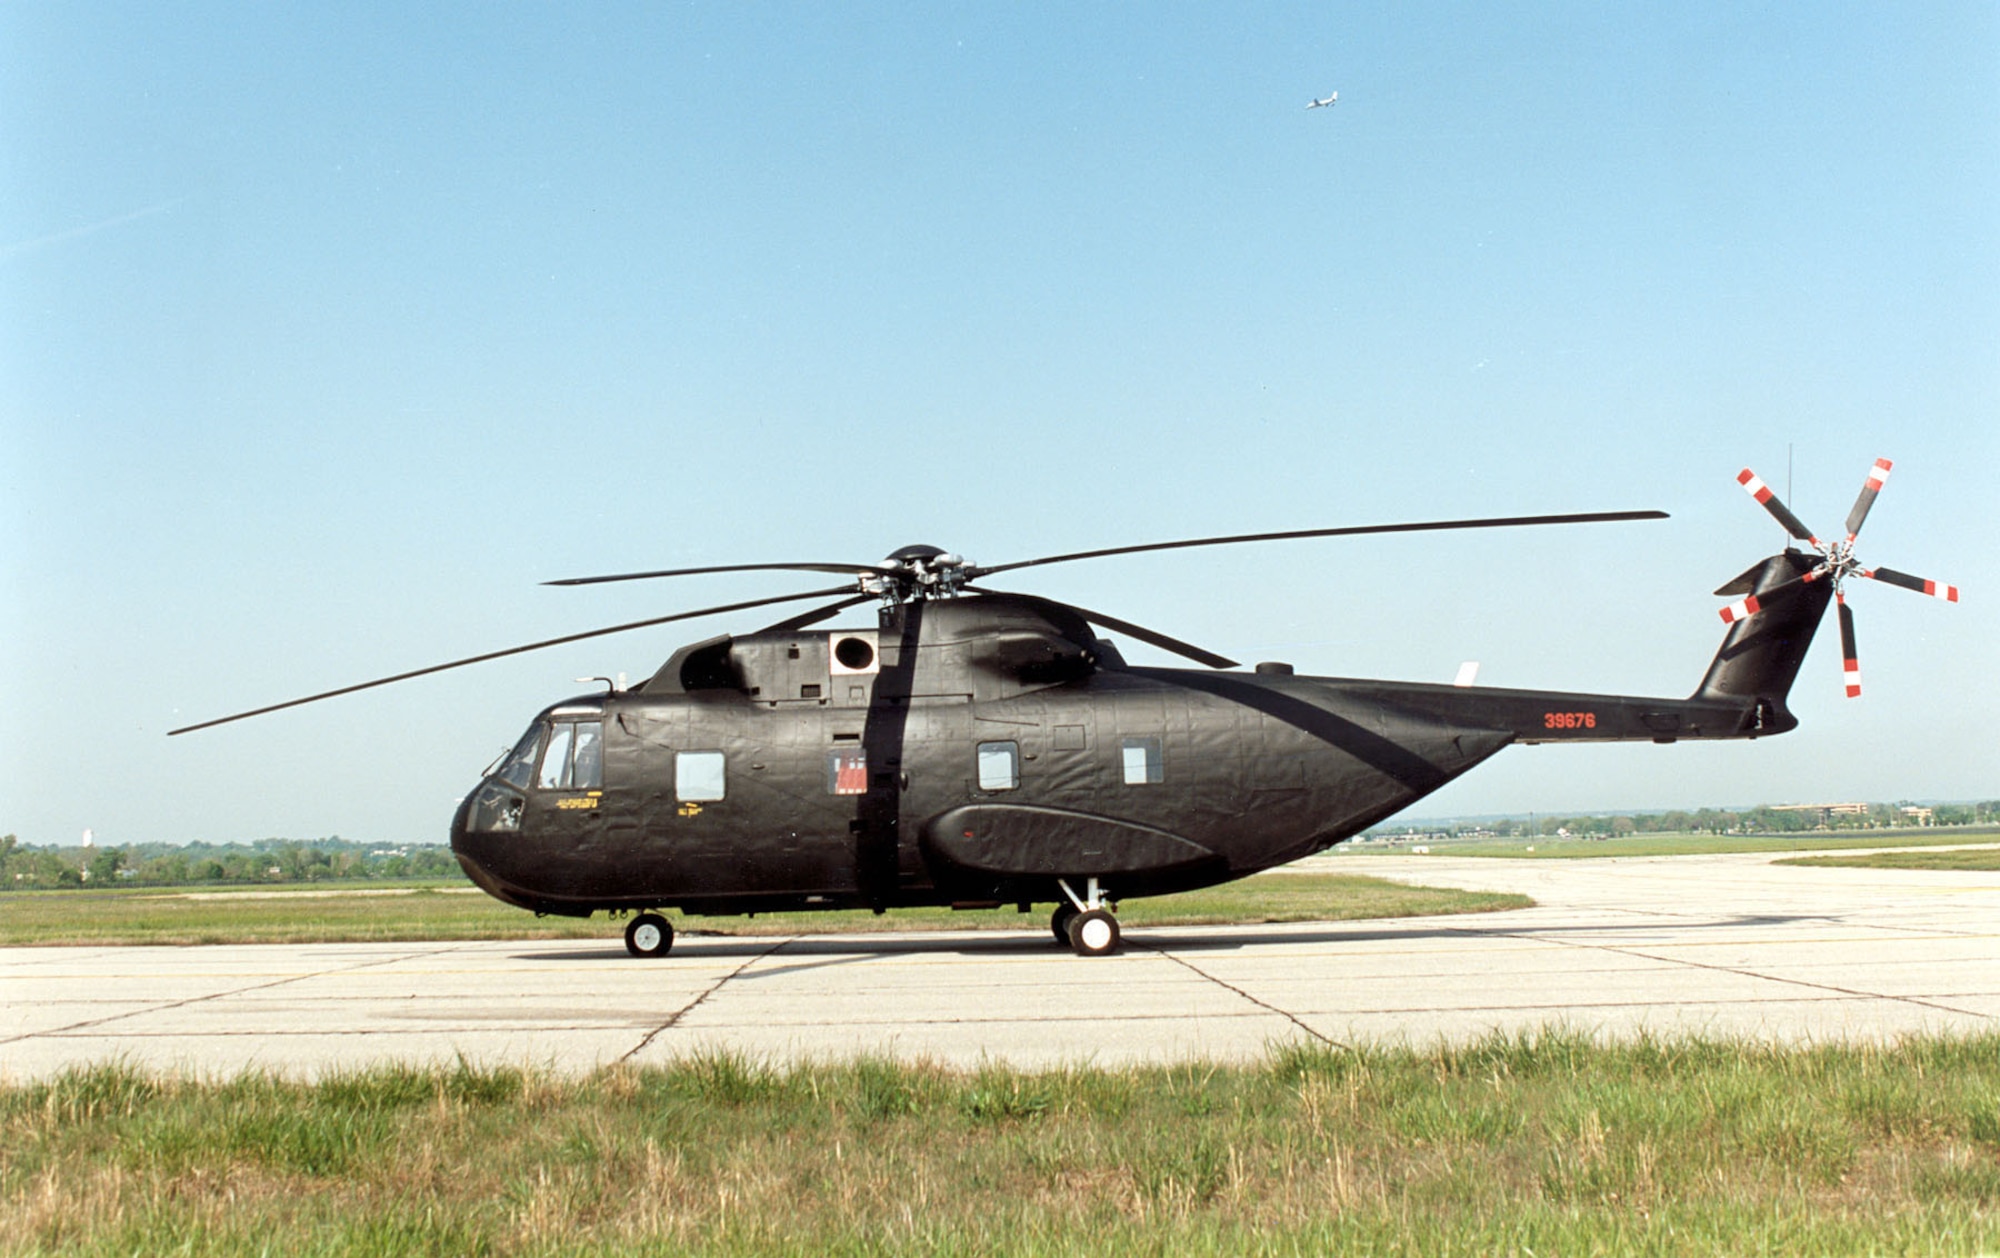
649 935
1064 915
1094 933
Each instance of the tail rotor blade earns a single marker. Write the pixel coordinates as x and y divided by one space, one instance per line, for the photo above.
1936 589
1850 664
1742 609
1878 476
1745 608
1756 488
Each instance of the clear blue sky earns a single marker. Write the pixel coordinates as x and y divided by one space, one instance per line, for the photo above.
327 334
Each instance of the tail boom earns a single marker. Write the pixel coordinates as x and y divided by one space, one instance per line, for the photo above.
1741 696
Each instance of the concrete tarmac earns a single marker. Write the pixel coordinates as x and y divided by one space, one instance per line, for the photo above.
1720 945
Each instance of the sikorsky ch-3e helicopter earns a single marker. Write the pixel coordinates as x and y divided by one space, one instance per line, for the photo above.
978 748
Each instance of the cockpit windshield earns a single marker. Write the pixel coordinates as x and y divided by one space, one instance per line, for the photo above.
520 766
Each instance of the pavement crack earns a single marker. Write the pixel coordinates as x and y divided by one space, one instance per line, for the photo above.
1744 973
674 1018
234 991
1286 1014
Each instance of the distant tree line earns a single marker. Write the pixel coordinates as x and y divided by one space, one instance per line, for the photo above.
1763 819
24 866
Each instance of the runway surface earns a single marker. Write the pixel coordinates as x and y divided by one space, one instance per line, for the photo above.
1709 944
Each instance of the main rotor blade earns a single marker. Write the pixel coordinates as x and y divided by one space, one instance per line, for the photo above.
841 569
1757 489
1850 664
1877 477
1427 526
816 615
1185 649
512 650
1936 589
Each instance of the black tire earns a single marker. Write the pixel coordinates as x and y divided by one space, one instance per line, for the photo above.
1065 914
649 935
1094 934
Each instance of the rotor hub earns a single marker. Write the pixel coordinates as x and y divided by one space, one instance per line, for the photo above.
915 573
1836 563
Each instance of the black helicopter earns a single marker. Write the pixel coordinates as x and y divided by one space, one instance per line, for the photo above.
979 748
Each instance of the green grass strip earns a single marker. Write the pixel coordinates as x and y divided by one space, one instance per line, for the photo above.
454 911
1543 1142
1985 859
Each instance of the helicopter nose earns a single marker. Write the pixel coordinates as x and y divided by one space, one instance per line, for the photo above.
474 850
459 830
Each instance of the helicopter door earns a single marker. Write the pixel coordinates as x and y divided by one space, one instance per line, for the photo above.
567 792
928 757
751 802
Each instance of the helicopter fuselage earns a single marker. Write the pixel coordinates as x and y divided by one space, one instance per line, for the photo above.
974 751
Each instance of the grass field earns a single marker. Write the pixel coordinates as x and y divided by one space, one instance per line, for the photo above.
1518 1145
455 911
1679 844
1978 858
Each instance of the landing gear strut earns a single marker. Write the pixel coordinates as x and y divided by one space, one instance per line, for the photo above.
1086 922
649 935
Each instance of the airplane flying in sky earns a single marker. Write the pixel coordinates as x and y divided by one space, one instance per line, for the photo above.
1329 99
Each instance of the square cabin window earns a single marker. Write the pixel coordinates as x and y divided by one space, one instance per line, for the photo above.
999 766
1144 765
698 776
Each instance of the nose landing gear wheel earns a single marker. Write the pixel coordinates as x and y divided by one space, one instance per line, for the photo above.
1064 915
1094 934
649 935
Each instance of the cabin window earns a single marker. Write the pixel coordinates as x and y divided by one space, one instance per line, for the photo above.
1144 765
698 776
847 771
999 766
574 760
519 769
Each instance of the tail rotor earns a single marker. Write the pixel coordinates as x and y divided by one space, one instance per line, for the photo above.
1836 563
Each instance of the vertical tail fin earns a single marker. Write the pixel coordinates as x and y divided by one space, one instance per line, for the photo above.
1761 653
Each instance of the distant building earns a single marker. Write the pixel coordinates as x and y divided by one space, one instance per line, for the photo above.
1825 812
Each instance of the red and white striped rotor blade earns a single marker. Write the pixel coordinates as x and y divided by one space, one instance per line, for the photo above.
1850 664
1741 609
1745 608
1936 589
1756 488
1878 476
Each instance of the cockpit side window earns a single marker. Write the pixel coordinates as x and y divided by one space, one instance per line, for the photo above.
519 769
555 761
574 760
587 758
